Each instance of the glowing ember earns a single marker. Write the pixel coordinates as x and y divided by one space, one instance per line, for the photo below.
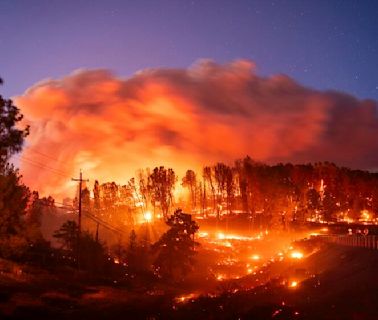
226 244
220 277
185 298
314 234
293 284
203 234
221 236
296 255
365 215
147 216
255 257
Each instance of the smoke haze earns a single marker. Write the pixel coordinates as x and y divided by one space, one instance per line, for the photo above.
185 118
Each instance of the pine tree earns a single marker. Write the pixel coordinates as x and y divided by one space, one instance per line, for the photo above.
176 247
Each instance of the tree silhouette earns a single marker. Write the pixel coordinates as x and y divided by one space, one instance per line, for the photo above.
11 137
137 256
13 194
96 196
176 247
207 174
67 234
190 181
162 185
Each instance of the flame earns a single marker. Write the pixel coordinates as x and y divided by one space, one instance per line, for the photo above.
296 255
147 216
186 297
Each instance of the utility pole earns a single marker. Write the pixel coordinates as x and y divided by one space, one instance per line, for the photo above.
80 180
97 232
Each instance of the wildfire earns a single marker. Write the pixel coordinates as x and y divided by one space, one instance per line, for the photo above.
147 216
296 255
223 236
365 215
185 298
255 257
203 234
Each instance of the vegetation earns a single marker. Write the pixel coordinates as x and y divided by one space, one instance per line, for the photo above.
267 196
14 196
176 248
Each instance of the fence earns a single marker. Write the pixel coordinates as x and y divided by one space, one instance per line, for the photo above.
369 241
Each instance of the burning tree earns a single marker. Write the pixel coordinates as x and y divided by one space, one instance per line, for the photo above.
96 195
176 248
190 181
208 177
162 185
144 186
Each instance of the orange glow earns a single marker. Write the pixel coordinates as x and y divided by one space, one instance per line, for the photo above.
155 118
221 236
293 284
147 216
185 298
365 215
224 236
203 234
296 255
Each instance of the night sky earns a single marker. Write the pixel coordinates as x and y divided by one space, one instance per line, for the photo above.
110 87
321 44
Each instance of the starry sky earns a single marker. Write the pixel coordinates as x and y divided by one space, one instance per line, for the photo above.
322 44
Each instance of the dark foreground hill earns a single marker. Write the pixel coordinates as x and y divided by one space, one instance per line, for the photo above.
333 283
339 283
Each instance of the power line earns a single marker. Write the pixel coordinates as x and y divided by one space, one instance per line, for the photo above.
44 155
94 218
43 166
22 157
100 221
103 223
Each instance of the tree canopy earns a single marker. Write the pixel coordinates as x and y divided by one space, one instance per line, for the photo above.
11 137
176 247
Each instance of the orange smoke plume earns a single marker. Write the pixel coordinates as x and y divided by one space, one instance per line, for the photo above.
185 118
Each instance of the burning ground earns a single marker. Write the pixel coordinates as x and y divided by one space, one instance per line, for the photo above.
305 280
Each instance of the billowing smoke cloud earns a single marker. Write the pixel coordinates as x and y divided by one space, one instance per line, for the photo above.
184 118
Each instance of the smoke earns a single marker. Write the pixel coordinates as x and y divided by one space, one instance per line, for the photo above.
185 118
